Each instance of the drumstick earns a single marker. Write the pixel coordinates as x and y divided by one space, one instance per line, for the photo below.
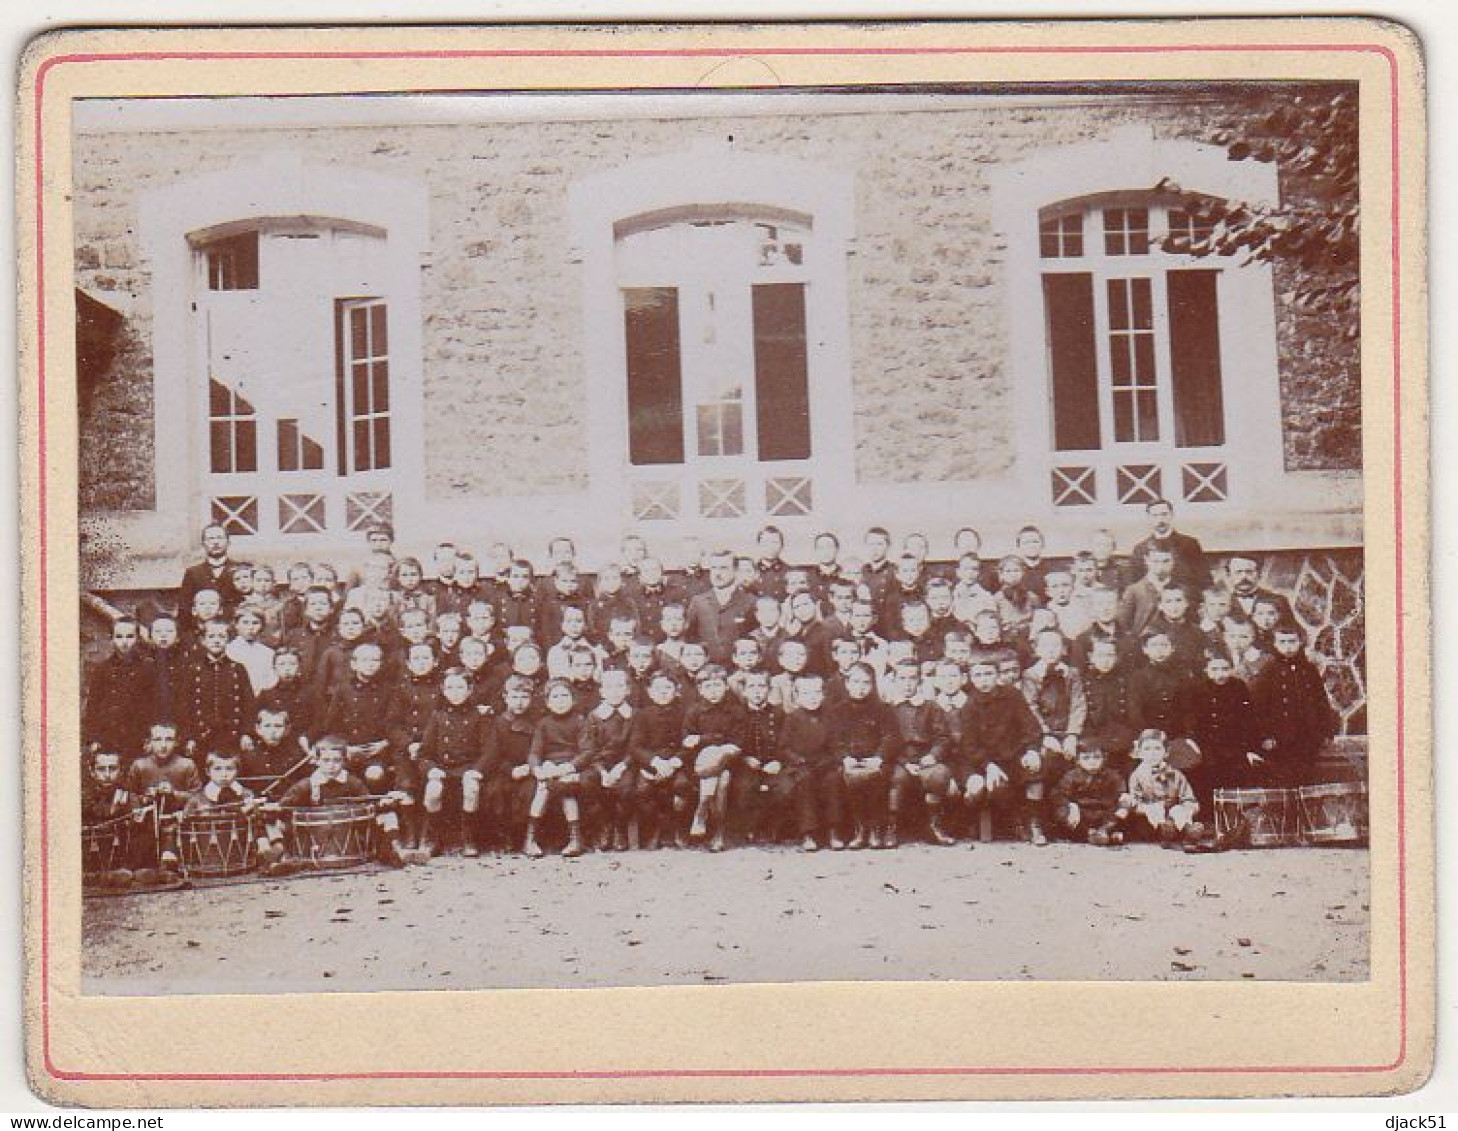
283 777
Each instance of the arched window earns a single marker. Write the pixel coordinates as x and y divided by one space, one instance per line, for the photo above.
286 342
716 339
1140 370
1133 337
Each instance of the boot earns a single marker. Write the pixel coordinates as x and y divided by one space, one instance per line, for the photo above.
1035 832
891 838
857 842
620 839
938 833
531 847
427 834
574 840
469 847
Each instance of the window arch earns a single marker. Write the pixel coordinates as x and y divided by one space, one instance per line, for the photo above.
714 296
1158 370
286 348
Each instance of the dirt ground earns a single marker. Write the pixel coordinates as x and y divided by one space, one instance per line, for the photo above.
1003 911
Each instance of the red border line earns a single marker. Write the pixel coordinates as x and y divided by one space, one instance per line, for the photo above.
818 1073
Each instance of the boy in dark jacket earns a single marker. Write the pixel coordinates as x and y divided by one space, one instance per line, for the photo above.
656 743
1000 740
865 740
1216 714
456 754
1293 714
1087 800
806 756
714 736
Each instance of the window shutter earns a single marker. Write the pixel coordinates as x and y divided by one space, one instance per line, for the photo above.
1194 346
655 375
1069 307
781 371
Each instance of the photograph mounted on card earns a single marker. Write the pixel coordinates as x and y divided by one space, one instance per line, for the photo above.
784 532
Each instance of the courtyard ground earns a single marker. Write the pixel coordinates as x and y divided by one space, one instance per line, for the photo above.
1001 911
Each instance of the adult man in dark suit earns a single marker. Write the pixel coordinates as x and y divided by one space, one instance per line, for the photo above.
215 571
1140 601
724 613
1190 568
1242 574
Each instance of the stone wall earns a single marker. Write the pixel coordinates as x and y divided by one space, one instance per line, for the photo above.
505 402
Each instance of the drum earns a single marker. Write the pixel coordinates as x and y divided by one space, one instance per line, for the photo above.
1335 813
106 847
332 836
1262 818
216 844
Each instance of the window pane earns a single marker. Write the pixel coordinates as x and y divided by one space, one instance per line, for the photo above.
218 399
221 450
709 441
655 376
377 330
733 425
1068 302
246 436
1148 416
1073 235
1118 304
1048 239
288 445
1113 231
313 455
1143 307
381 402
1194 346
1123 416
361 373
1144 358
781 372
382 442
1138 225
362 460
1119 359
359 332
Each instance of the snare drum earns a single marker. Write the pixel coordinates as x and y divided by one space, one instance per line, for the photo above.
1335 813
332 836
219 843
106 847
1262 818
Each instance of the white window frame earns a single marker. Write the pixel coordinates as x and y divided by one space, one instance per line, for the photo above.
715 180
1130 163
175 218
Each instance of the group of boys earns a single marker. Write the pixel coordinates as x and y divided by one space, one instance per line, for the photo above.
742 700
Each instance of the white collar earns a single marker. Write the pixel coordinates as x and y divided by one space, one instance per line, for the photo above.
212 791
604 712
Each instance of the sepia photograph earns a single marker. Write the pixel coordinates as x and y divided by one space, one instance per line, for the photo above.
730 563
636 539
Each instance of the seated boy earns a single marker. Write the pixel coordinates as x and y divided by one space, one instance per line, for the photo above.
508 788
556 764
1086 800
759 797
611 784
222 791
273 753
331 782
809 766
921 768
865 739
1162 801
164 777
1000 752
656 744
104 798
455 757
714 737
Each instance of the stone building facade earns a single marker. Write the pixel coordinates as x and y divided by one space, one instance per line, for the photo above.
505 319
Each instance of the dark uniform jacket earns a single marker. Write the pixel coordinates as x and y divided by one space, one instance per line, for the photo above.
121 702
457 738
997 726
922 727
805 742
716 626
657 732
1154 691
1096 795
1292 708
865 728
215 703
605 735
